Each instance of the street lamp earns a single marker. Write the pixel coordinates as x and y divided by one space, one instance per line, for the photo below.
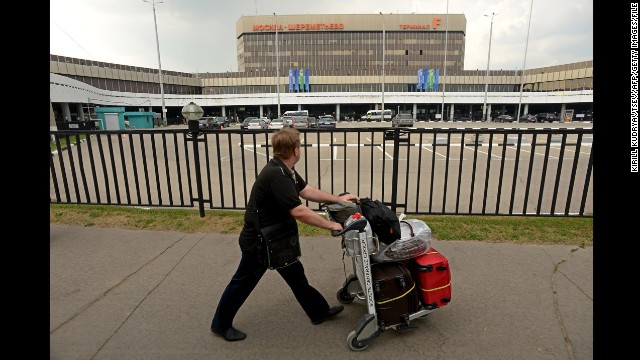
192 112
524 62
444 70
277 65
486 85
153 5
383 46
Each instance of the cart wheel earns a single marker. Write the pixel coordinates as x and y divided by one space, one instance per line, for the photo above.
353 342
344 297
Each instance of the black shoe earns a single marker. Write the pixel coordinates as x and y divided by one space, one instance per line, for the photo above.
231 334
333 311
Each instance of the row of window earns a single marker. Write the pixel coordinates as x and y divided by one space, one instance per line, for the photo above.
70 60
354 38
154 88
348 42
346 68
365 54
332 50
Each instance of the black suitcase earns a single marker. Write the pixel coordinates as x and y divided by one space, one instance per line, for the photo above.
394 293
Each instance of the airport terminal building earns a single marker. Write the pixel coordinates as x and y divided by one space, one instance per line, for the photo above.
341 64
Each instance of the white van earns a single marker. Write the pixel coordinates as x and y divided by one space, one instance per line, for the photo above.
296 113
376 115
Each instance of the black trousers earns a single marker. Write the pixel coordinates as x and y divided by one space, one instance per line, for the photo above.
247 276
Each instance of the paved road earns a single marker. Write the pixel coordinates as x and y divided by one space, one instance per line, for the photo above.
121 294
438 125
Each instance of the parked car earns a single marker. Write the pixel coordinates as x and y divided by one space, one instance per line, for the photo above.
548 117
256 124
313 121
583 116
276 124
245 122
300 122
288 121
402 120
504 118
403 135
206 123
461 117
528 118
219 122
326 122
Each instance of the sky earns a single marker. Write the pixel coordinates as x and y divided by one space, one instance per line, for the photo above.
197 36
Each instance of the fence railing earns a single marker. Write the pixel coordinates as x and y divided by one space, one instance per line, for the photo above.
541 172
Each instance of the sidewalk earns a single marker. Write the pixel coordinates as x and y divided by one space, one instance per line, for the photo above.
121 294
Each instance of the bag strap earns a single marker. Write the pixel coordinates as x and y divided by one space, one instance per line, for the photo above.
410 227
256 223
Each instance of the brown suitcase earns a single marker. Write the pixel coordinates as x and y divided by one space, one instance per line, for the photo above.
394 292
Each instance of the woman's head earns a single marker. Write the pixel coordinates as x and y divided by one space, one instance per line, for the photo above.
284 142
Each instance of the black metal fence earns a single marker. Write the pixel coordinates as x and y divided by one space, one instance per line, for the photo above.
540 172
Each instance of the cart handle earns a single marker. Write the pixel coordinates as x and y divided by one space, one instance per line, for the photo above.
358 224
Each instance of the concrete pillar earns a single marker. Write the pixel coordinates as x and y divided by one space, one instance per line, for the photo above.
337 112
80 112
526 109
52 117
66 114
261 111
224 111
489 112
299 107
415 110
563 107
451 111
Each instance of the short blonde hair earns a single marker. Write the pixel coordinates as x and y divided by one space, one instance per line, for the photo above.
285 141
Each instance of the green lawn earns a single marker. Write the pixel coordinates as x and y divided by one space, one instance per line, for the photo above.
495 229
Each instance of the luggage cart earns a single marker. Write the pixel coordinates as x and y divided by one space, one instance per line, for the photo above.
359 243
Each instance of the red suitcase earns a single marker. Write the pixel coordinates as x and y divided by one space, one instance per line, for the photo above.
433 279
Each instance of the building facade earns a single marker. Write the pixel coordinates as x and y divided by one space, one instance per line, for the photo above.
352 60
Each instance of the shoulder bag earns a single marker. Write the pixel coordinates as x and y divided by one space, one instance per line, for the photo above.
280 243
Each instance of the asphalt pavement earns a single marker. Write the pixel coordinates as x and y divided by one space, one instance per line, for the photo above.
131 294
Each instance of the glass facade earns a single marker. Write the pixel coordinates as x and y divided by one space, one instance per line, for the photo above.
352 53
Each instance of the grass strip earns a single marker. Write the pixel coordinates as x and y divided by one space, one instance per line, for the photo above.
545 230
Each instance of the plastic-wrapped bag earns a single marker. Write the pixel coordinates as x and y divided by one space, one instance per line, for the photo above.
415 240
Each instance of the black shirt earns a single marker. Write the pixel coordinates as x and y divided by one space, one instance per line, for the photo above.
274 193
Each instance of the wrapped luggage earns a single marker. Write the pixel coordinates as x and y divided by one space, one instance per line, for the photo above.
415 240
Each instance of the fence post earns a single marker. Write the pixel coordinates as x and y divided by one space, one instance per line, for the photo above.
394 174
194 131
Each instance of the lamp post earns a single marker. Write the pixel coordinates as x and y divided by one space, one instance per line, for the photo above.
524 62
277 65
383 50
486 77
444 70
192 112
153 5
